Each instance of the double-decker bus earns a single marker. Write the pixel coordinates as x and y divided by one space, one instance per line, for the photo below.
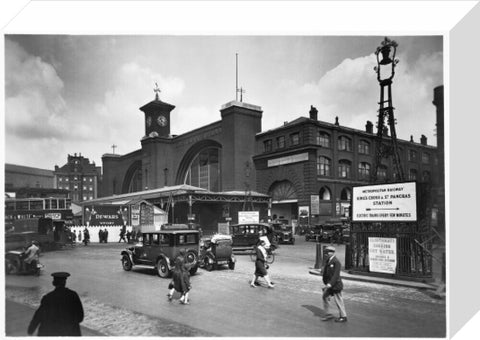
41 219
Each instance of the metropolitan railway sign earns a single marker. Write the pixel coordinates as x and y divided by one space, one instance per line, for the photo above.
386 202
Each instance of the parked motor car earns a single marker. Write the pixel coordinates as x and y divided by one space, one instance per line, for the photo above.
216 251
282 233
245 236
314 233
160 248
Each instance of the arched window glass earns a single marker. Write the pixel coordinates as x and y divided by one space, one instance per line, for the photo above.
364 147
426 176
323 166
382 173
344 167
323 139
363 171
136 182
205 169
283 190
344 143
325 194
346 194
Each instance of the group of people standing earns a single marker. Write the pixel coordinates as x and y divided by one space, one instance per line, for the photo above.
103 236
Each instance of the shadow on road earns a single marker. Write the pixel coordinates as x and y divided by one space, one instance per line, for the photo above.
315 310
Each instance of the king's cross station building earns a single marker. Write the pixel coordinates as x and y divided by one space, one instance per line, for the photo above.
302 172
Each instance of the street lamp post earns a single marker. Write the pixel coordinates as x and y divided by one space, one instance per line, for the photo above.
385 70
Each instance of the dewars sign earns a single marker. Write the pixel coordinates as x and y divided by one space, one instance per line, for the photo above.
395 202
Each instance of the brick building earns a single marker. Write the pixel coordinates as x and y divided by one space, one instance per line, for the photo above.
310 165
80 177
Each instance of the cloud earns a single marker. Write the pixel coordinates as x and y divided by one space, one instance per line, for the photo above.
351 92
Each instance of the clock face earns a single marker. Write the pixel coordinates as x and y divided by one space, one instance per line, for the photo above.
149 121
162 120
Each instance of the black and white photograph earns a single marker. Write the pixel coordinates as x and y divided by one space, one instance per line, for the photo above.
225 185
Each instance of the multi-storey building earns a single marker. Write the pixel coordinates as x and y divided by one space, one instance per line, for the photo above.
309 166
80 177
19 176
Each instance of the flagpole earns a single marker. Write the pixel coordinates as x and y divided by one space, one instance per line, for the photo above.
236 77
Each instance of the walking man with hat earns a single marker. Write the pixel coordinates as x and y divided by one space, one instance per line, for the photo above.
333 286
60 312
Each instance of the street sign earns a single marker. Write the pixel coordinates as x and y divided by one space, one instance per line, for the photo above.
386 202
248 217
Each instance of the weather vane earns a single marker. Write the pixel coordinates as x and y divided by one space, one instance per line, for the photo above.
157 91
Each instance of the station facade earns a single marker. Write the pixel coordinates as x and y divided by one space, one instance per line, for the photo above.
216 158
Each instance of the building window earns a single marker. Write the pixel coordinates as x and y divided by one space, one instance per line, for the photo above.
281 142
344 168
323 166
412 155
344 143
75 187
91 197
346 194
60 179
425 158
84 198
363 171
412 175
325 194
323 139
295 138
91 180
205 170
267 145
84 188
382 173
66 179
90 188
75 178
364 147
426 176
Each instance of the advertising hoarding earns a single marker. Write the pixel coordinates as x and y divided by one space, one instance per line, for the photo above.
315 204
382 254
395 202
248 217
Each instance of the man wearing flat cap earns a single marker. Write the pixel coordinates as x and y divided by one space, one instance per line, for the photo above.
333 286
60 312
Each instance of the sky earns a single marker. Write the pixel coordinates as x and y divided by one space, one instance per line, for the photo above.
67 94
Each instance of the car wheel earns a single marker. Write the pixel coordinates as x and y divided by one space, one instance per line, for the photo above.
191 258
11 267
126 263
162 268
231 265
208 264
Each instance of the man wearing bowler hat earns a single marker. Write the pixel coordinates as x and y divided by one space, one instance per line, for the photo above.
333 286
60 311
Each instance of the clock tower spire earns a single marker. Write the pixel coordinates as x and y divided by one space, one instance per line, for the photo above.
157 116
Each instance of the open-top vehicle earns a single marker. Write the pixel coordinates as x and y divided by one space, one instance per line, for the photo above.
159 249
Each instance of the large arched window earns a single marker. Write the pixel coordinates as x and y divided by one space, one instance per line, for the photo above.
205 169
136 182
344 143
325 194
323 139
282 191
364 147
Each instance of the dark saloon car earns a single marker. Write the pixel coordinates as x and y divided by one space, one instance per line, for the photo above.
160 248
282 233
245 236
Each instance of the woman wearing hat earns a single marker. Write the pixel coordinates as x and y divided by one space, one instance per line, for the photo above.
260 266
333 286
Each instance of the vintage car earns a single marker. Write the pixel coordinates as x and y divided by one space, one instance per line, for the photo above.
160 248
282 233
216 251
245 236
314 233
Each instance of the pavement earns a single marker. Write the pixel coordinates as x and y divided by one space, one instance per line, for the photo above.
19 316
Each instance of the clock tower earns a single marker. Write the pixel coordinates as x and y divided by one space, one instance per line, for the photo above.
157 117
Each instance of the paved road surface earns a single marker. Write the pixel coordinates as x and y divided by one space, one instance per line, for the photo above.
222 302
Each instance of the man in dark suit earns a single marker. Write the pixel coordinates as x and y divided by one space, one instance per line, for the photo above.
60 312
333 286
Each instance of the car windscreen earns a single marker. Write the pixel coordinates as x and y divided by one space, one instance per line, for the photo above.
184 239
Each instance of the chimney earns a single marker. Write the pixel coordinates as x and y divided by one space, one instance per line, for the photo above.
336 121
369 127
313 113
385 131
423 140
411 139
